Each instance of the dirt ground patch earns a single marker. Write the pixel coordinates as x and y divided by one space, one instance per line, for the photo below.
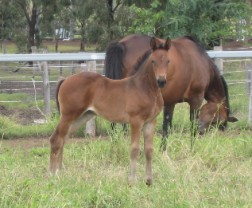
22 116
28 143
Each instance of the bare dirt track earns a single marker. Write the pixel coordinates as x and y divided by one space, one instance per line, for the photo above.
28 143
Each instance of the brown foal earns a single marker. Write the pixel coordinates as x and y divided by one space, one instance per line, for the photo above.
136 100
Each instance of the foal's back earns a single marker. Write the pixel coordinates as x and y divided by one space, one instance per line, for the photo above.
114 100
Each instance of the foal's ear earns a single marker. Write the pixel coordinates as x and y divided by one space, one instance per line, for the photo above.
153 43
232 119
167 44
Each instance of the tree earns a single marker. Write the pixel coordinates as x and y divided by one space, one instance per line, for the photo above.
208 21
34 11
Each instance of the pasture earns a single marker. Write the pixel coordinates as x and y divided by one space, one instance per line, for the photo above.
213 170
215 173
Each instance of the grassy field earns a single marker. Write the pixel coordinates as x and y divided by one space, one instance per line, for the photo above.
213 172
216 172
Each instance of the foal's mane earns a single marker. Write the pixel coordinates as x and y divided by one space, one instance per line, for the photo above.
143 58
140 62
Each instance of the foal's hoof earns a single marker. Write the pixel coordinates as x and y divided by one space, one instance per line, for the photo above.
54 172
148 181
131 181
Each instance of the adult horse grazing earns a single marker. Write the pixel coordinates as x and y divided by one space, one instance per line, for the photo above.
191 77
136 100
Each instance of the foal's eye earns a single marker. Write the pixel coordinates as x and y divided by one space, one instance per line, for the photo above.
153 62
167 62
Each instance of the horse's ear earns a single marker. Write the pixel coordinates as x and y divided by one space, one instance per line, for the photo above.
167 44
232 119
153 43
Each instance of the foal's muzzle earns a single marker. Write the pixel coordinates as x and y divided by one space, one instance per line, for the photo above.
161 82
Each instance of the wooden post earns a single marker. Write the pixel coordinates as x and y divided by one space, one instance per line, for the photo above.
46 88
250 96
90 125
218 61
248 69
91 66
73 68
60 71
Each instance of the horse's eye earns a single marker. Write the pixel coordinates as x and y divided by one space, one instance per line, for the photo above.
153 62
167 62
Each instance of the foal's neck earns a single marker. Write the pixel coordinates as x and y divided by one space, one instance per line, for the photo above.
147 77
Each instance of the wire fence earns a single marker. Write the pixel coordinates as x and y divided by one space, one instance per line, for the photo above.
22 84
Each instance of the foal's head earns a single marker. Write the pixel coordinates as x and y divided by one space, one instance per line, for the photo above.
159 59
214 115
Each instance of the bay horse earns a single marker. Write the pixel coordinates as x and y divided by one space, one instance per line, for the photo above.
136 100
191 77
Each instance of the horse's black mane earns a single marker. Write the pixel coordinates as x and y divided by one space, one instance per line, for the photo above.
140 61
226 94
200 47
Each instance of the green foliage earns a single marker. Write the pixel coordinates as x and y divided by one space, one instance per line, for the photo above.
208 21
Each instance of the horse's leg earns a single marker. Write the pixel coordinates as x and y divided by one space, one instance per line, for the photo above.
167 121
57 141
135 133
194 111
148 132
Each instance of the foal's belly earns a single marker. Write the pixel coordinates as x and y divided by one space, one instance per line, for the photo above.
111 114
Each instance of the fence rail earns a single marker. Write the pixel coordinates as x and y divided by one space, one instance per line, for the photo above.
90 59
101 56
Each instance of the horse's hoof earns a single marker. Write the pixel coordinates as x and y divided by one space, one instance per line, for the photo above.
148 181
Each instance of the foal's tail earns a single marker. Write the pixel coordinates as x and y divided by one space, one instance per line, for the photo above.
114 60
57 93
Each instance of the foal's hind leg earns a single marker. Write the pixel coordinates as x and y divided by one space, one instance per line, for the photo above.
148 132
57 141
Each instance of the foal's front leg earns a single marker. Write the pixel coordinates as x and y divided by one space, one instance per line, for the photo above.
148 132
135 133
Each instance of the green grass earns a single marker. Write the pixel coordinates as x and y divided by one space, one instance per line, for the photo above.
65 46
217 173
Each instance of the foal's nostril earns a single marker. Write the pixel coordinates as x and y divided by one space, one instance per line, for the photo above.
161 82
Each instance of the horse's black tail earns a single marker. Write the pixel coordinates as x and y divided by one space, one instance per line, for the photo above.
226 93
57 93
114 60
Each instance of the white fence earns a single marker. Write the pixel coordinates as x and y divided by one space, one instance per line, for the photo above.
90 59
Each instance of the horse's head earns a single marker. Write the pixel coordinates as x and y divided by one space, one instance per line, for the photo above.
213 114
159 59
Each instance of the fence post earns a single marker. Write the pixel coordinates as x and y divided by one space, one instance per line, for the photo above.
219 61
248 70
250 95
46 87
90 125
